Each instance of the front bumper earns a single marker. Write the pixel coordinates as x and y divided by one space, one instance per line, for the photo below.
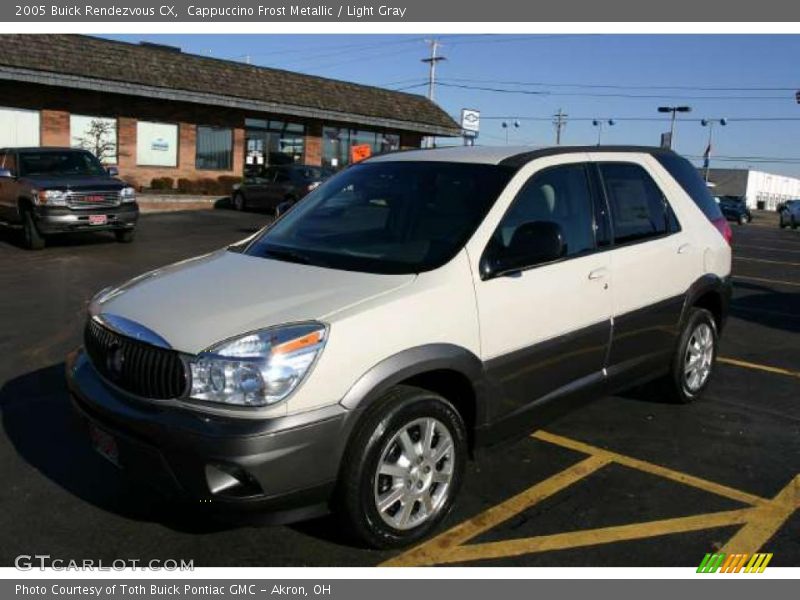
63 220
290 463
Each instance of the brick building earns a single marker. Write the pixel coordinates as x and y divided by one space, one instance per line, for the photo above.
155 111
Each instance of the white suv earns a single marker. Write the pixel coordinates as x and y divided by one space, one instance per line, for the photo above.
412 309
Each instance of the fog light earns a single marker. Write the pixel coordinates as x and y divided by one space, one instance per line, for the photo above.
231 481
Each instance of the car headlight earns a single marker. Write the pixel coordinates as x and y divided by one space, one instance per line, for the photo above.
51 197
259 368
128 194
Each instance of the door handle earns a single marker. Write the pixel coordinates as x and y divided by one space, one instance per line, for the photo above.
684 248
598 273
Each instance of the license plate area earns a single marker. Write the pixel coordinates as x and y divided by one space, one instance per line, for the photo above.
104 444
98 219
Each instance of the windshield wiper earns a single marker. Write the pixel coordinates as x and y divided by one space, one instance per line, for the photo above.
287 255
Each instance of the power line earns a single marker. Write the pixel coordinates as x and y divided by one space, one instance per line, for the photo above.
624 87
601 95
643 119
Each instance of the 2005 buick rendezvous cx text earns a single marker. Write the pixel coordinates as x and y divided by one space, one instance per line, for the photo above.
413 308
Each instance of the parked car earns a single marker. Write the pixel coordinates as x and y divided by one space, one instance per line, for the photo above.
789 214
735 209
277 187
47 191
412 309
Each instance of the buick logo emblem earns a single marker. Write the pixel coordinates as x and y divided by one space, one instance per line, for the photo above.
115 360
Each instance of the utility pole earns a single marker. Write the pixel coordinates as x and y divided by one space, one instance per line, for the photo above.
560 122
432 60
707 154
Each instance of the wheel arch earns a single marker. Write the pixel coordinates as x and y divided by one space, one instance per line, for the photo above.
711 292
451 371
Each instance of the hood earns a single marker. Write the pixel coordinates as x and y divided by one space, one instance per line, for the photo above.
199 302
99 183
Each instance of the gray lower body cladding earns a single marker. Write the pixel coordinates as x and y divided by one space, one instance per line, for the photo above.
288 465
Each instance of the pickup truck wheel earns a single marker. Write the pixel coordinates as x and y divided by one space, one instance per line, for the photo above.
31 237
742 219
124 236
695 357
238 201
403 468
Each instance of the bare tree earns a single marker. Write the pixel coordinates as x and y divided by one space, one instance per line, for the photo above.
99 139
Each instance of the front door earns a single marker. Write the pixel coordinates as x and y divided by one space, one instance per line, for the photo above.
545 329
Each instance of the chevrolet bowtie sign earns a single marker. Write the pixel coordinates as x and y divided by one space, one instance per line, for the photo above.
470 122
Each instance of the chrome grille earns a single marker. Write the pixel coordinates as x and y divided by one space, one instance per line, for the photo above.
93 199
136 367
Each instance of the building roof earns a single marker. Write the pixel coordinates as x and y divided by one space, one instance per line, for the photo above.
512 156
149 70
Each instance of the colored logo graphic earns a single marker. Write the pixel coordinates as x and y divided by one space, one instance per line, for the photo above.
734 563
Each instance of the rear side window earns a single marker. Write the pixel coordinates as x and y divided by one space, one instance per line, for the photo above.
689 179
638 208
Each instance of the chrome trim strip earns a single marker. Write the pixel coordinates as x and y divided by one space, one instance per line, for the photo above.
131 329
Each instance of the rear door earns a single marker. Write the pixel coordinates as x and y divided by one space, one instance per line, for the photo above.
545 329
653 263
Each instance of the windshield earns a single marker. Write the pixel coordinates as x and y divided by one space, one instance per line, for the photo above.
56 163
386 217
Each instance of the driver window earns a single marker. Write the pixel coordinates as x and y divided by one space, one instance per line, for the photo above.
558 195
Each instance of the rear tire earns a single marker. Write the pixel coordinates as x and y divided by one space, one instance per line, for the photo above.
32 239
124 236
403 468
695 357
742 219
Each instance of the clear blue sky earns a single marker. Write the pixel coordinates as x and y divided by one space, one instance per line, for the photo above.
757 65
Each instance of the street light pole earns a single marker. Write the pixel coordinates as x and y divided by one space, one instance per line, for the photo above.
674 110
707 156
599 124
507 126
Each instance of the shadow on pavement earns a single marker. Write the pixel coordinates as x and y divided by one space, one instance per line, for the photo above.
767 306
39 421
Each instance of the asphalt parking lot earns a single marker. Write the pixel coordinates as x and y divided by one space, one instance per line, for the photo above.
626 481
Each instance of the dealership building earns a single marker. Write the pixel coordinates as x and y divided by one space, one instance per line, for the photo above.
758 188
154 111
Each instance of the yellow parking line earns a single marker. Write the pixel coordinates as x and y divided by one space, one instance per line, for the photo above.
764 280
592 537
763 260
749 365
641 465
434 550
766 520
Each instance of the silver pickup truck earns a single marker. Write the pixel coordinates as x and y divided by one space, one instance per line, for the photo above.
48 191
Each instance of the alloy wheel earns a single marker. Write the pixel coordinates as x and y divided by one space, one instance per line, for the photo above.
699 357
414 474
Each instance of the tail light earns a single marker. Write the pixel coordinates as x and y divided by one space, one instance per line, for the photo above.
724 228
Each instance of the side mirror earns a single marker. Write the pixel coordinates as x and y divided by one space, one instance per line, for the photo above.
6 174
112 171
531 244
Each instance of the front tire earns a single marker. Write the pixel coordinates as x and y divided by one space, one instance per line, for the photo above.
31 237
781 222
124 236
403 468
695 357
238 201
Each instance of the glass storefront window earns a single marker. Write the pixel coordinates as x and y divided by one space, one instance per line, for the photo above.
271 142
337 142
214 148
